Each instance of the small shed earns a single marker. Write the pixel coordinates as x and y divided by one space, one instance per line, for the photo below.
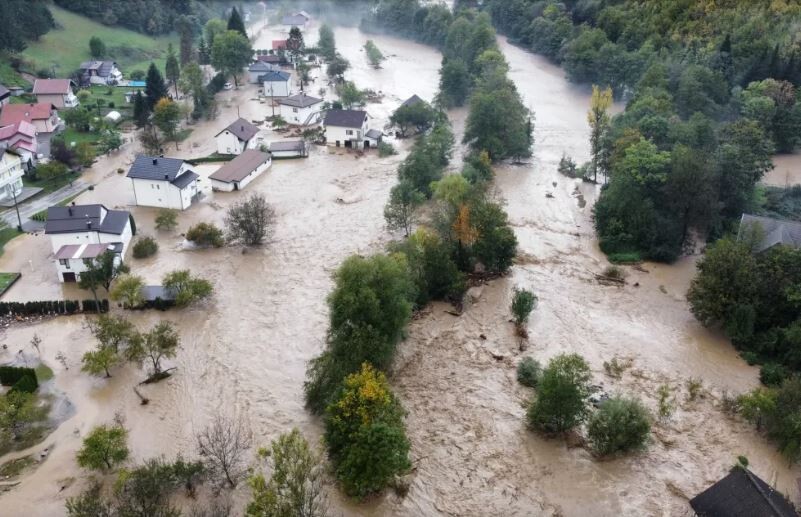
373 137
742 494
289 149
240 171
113 116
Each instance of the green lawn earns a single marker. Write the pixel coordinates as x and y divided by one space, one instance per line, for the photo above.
9 76
68 45
51 185
6 279
71 135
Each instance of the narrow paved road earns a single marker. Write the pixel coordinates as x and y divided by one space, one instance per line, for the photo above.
29 208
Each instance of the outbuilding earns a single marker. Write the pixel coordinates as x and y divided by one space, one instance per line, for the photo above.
236 137
742 494
163 182
236 174
276 83
301 109
289 149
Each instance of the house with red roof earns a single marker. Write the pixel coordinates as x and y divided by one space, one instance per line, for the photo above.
21 139
44 116
57 92
279 44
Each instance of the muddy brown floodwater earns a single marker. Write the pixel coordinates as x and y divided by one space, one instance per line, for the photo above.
245 351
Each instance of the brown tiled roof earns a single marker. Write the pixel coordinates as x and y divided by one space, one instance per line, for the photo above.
239 168
13 113
51 86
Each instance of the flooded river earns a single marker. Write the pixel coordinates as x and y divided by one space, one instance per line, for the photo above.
245 351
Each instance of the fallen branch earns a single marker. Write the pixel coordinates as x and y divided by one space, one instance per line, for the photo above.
604 278
156 377
142 399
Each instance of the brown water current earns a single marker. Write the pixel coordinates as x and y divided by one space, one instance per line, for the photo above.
245 351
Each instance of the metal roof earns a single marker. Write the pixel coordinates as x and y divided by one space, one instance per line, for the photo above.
242 129
240 167
155 168
260 66
185 179
741 494
4 92
414 99
374 134
300 101
345 118
287 145
84 218
274 76
52 86
774 231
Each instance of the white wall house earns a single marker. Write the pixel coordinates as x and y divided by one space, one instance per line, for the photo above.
236 137
301 109
99 72
346 128
236 174
79 232
258 69
276 84
12 168
57 92
163 182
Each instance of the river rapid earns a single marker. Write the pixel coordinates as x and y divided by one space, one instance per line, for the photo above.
244 352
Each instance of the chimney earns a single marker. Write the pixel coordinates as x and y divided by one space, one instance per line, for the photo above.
73 203
89 224
155 161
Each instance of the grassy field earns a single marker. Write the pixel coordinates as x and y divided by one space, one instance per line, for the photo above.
68 45
52 184
9 76
6 234
6 279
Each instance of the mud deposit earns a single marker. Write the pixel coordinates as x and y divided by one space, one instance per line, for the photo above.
245 351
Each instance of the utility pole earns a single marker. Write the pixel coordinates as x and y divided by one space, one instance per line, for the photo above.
16 207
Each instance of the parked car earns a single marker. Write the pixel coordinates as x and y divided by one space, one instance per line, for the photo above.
228 86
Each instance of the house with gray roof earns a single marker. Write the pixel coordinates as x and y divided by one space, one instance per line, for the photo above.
742 494
236 137
347 128
163 182
301 109
769 232
99 72
240 171
84 232
258 69
276 83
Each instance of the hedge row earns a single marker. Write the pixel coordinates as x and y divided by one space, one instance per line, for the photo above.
9 375
51 307
26 384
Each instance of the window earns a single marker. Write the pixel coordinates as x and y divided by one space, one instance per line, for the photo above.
294 110
65 263
349 132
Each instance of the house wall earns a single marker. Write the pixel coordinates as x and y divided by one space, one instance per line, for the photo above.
334 134
55 100
162 194
286 154
76 266
11 172
279 88
298 116
91 237
228 143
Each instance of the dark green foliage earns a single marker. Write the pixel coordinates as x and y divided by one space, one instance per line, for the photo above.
235 22
206 234
619 425
96 47
23 20
454 83
326 44
10 375
529 372
41 308
417 116
141 112
145 16
428 158
94 306
26 384
772 374
496 244
561 401
155 87
145 247
523 302
432 268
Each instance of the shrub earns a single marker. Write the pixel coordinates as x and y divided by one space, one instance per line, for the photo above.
26 384
386 149
187 289
145 247
250 221
167 219
206 234
523 303
103 447
619 425
364 433
561 402
529 371
773 374
10 375
614 272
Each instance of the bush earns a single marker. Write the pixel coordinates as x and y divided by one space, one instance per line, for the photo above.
26 384
186 288
614 272
167 219
206 234
10 375
145 247
529 371
773 374
561 402
523 303
619 425
386 149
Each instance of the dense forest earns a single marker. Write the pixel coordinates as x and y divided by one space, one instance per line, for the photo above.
711 95
23 20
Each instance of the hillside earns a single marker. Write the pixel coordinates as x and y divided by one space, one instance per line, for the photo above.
67 45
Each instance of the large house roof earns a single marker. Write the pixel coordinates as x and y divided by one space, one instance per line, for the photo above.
345 118
240 167
274 76
260 66
411 101
741 494
13 113
269 58
155 168
773 231
103 67
82 218
300 101
21 135
242 129
51 86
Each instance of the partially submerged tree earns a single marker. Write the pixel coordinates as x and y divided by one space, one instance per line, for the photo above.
162 341
223 446
619 425
18 411
172 69
155 87
326 43
250 221
167 219
101 272
104 447
206 234
419 116
128 291
561 401
598 119
296 483
166 116
231 53
374 55
400 211
523 302
186 288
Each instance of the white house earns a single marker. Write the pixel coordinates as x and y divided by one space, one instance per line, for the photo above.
289 149
301 109
12 168
163 182
71 259
258 69
99 72
57 92
276 83
73 229
240 171
236 137
346 128
300 19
